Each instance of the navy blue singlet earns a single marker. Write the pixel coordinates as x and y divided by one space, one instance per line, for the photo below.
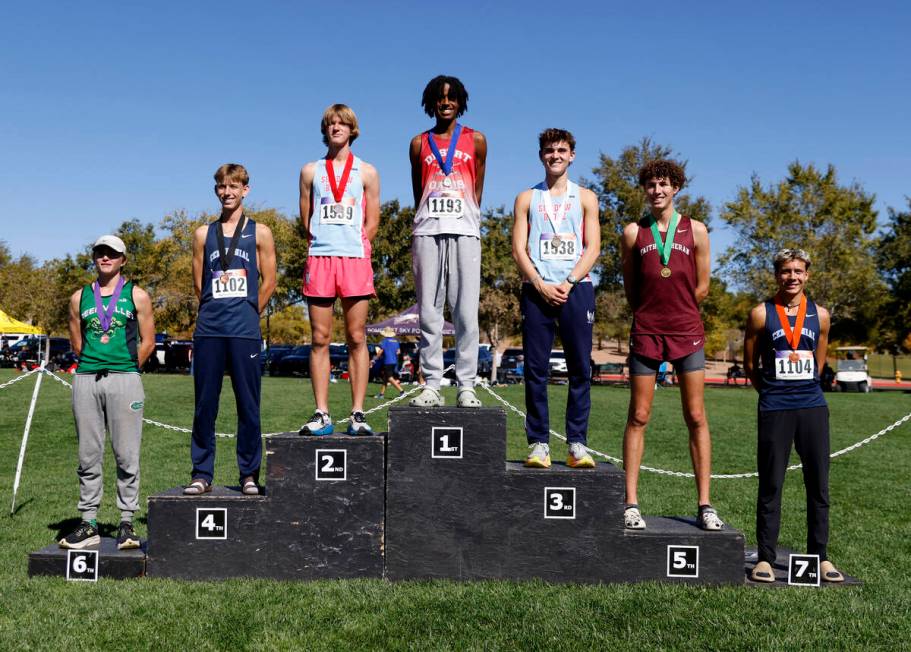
784 394
229 306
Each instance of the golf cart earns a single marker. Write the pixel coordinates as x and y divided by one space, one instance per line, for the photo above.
851 369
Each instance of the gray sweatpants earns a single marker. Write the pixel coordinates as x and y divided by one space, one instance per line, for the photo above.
448 268
113 402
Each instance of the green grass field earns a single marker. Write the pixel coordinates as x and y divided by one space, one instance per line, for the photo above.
870 534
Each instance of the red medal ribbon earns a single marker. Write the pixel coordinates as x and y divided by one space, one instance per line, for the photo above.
793 336
338 189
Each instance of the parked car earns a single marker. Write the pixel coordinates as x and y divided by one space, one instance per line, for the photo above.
485 361
28 353
270 357
64 362
338 357
294 363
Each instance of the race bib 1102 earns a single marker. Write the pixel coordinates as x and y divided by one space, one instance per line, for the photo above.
231 284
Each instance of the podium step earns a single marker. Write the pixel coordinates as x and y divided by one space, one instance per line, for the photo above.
455 510
321 516
112 563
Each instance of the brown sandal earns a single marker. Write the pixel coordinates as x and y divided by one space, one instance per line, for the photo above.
249 486
197 487
830 573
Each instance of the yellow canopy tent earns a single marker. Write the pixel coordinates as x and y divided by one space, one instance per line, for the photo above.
10 325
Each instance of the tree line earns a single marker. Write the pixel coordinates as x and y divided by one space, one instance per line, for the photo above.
861 275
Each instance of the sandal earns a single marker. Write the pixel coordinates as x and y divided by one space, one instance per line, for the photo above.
249 486
197 487
762 572
632 518
829 572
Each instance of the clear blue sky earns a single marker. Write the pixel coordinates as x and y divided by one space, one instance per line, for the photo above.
111 110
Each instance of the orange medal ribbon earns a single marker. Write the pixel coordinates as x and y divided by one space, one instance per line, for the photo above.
793 336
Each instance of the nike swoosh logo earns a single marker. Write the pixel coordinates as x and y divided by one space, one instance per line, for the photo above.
682 230
813 315
696 342
249 235
253 355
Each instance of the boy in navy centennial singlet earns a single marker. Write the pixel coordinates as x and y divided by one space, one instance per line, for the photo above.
447 179
666 269
234 277
784 349
556 239
113 333
340 211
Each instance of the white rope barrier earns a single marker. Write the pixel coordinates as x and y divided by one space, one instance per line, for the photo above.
518 412
720 476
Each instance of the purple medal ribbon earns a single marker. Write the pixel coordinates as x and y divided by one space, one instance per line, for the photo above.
445 166
106 315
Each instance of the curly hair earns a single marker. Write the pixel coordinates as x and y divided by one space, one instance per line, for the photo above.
550 136
663 169
434 91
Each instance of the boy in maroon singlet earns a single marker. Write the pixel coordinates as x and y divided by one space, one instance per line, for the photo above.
666 268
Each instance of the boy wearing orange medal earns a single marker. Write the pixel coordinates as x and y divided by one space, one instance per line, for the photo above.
784 349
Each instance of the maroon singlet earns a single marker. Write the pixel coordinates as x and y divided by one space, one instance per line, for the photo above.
667 306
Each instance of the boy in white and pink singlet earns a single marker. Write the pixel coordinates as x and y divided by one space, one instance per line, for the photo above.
340 211
447 178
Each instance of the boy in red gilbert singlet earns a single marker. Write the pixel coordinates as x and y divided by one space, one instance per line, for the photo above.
447 178
666 268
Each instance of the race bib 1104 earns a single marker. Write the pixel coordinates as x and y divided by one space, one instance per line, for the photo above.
794 365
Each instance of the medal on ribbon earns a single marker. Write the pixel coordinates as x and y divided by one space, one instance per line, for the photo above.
664 247
225 256
106 315
792 335
445 166
338 189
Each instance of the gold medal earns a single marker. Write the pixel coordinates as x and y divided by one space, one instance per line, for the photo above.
105 339
555 241
793 357
665 272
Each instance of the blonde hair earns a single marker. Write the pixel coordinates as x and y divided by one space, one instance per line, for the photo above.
344 113
232 172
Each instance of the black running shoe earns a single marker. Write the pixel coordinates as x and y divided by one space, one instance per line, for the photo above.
84 536
126 537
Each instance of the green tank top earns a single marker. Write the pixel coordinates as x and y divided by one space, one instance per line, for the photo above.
115 350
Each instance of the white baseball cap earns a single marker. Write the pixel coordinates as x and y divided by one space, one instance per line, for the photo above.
111 241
